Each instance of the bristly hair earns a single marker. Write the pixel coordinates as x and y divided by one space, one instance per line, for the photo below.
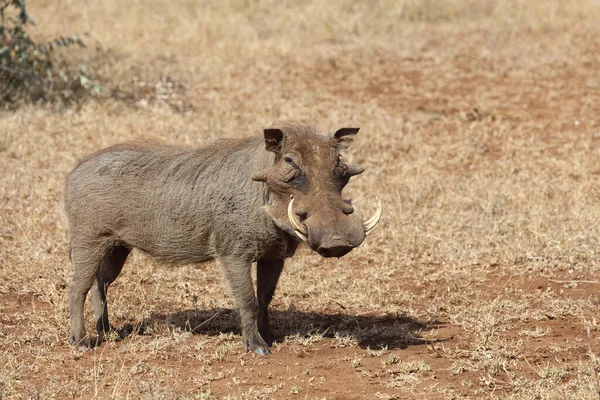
306 128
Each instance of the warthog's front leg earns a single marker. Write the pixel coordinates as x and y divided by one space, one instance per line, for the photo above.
239 276
267 275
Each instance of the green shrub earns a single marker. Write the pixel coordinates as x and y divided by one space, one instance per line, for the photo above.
30 71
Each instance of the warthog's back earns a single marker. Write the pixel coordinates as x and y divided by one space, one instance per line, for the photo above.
176 204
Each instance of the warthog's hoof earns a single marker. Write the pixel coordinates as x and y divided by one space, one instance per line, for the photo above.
103 327
260 349
80 343
268 336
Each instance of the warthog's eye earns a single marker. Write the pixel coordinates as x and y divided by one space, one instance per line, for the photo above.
341 174
341 170
291 170
290 161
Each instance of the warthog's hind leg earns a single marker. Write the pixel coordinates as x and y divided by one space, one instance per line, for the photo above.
239 277
86 260
267 275
109 270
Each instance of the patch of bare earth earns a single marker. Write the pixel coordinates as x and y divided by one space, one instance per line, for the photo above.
479 131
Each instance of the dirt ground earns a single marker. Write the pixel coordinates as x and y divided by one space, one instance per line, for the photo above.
480 132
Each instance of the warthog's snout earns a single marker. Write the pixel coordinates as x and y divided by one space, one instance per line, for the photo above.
333 233
335 238
329 244
336 248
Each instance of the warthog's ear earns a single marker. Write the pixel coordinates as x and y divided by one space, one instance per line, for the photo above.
345 136
273 140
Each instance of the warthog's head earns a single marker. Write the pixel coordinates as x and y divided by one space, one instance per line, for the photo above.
306 185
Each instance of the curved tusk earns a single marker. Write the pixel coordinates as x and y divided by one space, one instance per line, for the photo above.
301 236
299 228
369 224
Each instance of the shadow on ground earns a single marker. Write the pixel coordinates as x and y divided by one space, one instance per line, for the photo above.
374 332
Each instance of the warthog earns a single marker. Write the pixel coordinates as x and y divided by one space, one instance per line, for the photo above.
235 201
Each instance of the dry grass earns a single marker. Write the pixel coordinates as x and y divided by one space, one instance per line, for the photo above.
480 132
